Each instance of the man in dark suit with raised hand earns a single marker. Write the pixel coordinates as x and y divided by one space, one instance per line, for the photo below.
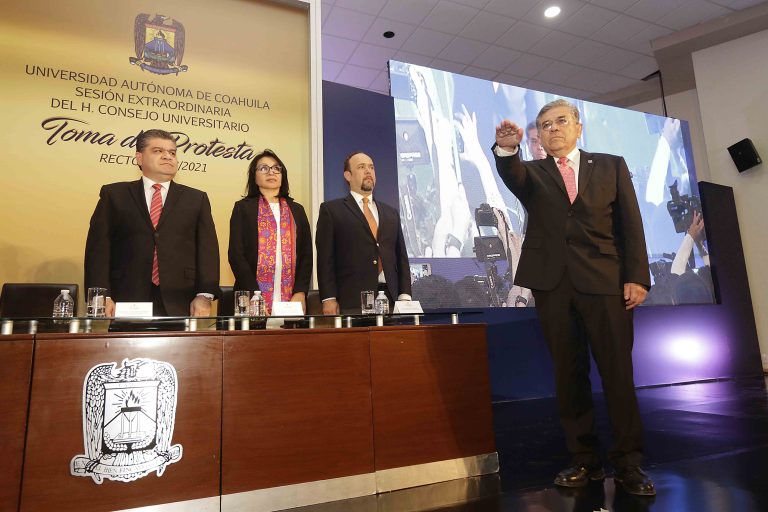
360 244
585 260
153 240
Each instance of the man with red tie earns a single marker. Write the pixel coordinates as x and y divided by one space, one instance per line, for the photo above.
584 258
153 240
360 244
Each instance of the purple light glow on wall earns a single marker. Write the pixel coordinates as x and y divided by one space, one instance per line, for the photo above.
680 344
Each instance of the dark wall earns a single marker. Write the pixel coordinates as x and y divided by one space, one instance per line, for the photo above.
672 343
358 120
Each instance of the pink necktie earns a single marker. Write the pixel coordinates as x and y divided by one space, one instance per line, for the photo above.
569 177
155 209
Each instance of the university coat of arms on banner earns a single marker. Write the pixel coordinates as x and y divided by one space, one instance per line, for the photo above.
159 44
128 419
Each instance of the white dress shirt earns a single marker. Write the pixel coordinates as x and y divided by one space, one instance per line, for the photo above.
149 191
276 292
371 204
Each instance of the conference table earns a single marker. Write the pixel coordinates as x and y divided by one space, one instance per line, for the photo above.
238 413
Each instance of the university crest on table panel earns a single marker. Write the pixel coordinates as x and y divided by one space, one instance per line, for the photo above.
128 418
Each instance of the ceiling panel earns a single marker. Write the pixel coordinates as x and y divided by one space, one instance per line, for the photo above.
616 59
366 6
588 20
639 68
412 58
447 65
496 58
512 9
357 76
346 23
427 42
567 9
375 33
371 56
592 47
407 11
587 52
528 65
559 73
449 17
487 27
331 69
691 13
616 5
641 42
653 10
485 74
620 29
463 50
522 36
473 3
506 78
381 83
338 48
555 44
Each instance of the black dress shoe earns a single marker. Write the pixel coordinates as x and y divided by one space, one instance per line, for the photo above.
634 481
579 475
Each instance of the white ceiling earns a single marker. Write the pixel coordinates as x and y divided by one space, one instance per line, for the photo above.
593 47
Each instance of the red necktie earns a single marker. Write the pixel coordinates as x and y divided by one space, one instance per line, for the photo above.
371 224
569 177
155 209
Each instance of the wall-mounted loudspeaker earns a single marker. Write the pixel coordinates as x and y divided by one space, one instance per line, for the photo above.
744 155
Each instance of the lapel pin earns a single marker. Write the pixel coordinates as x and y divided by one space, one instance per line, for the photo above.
589 161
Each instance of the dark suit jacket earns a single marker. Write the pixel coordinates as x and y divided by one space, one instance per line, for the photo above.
244 245
348 254
121 241
599 237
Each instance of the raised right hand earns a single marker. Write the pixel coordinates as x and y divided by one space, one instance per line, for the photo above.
508 135
696 230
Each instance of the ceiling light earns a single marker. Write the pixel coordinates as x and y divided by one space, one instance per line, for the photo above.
389 34
551 12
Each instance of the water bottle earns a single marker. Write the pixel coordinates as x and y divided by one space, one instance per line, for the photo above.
381 304
257 304
63 306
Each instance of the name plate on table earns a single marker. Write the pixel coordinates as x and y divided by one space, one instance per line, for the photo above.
412 307
133 309
287 309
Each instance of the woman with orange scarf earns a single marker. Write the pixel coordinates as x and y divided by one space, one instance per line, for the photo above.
270 242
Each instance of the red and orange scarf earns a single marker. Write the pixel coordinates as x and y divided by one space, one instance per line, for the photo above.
265 268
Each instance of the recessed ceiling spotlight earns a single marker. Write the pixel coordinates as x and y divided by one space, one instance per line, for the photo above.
551 12
389 34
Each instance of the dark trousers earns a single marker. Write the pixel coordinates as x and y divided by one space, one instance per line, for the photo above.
574 324
158 308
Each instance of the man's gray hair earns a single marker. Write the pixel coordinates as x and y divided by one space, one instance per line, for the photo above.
555 104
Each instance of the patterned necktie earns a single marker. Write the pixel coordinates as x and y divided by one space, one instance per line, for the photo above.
155 209
569 177
371 224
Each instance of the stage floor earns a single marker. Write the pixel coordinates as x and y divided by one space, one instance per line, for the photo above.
706 450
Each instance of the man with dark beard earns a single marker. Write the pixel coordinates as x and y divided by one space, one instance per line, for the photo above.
360 244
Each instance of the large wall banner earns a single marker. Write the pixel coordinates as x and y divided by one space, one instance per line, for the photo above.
80 79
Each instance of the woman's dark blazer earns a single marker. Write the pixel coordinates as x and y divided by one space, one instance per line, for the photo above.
244 245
